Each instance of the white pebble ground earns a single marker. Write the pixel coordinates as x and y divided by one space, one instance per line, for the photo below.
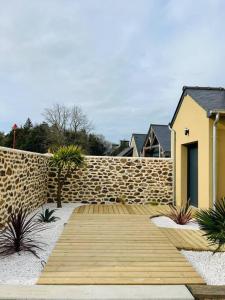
167 222
25 268
210 266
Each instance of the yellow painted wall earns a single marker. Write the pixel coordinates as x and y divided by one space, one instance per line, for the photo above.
193 117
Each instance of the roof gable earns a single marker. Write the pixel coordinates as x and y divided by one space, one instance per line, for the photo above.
126 152
139 139
163 135
208 98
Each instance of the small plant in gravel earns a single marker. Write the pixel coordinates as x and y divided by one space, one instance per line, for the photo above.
46 216
212 222
66 160
20 234
181 215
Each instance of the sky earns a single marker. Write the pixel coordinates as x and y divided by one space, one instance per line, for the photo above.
124 62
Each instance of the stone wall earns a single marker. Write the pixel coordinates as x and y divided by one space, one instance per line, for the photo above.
27 181
134 180
23 181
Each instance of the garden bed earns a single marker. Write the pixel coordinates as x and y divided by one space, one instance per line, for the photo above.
25 268
210 266
164 221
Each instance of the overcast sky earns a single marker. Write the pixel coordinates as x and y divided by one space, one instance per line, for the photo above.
124 62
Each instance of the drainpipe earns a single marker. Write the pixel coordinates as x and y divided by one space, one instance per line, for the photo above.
215 158
174 163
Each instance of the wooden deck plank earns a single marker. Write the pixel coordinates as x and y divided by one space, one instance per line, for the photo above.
116 248
188 239
116 274
116 281
204 292
150 210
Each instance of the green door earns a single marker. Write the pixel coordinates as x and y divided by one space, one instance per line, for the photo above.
192 176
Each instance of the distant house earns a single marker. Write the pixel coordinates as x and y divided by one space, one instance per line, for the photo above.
126 152
117 149
135 145
157 142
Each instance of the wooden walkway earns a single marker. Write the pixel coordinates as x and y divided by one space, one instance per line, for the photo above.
124 248
118 209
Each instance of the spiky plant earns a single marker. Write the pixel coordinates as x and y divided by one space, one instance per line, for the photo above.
181 215
46 216
20 234
212 222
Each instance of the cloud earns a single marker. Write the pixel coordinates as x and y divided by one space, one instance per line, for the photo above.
124 62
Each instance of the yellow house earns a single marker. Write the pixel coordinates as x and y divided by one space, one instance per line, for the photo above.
198 146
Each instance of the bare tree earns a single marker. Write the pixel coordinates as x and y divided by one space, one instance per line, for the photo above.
58 116
63 119
78 120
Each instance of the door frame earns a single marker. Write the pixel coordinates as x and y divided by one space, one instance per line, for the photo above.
188 146
184 172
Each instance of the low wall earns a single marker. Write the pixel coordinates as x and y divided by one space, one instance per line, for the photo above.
23 181
27 181
134 180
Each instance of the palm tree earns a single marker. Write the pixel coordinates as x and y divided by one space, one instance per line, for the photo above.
66 160
212 222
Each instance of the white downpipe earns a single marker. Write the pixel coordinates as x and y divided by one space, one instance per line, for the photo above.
174 163
215 158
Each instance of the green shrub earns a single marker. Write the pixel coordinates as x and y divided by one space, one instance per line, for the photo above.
47 216
212 222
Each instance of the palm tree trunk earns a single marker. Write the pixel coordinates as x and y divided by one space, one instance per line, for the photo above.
59 191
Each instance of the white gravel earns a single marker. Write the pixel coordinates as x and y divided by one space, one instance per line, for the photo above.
167 222
25 268
210 266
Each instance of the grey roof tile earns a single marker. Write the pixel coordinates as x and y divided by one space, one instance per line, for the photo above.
126 152
163 135
139 140
209 98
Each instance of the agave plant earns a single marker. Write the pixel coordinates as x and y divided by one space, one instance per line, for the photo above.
212 222
20 234
47 216
181 215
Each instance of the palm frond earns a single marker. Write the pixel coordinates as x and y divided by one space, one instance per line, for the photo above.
212 222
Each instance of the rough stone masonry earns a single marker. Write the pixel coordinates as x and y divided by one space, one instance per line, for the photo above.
118 179
23 181
27 181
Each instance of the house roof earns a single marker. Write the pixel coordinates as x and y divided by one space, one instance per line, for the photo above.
126 152
139 139
209 98
163 135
